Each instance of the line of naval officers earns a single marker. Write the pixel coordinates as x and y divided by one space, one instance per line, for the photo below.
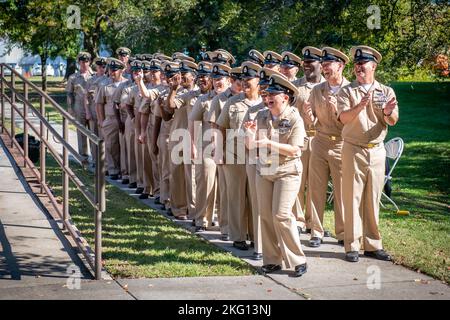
266 180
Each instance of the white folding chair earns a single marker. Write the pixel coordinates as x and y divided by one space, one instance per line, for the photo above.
394 150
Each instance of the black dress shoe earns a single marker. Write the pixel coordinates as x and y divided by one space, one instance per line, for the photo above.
327 233
181 217
252 244
157 200
352 256
225 237
114 177
341 242
213 223
125 181
315 242
241 245
269 268
132 185
200 229
193 222
169 212
143 196
300 270
106 173
139 190
257 256
308 230
378 254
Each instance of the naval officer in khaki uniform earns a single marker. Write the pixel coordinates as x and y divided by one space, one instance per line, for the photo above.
92 89
205 168
106 112
278 134
272 60
312 77
123 54
366 108
290 67
77 101
217 105
326 146
232 117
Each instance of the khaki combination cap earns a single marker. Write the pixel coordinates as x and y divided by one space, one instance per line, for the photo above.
220 70
365 53
146 65
181 56
291 60
155 65
146 57
170 68
162 57
123 51
256 57
236 72
223 56
115 64
136 65
188 66
84 56
250 70
204 68
280 84
100 61
271 57
332 54
266 73
311 54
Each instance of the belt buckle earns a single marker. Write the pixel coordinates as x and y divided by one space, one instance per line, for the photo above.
371 145
332 138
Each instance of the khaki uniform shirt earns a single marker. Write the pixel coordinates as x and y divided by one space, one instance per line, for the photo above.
184 103
106 94
288 128
232 117
77 88
305 89
200 112
217 105
369 127
93 84
326 119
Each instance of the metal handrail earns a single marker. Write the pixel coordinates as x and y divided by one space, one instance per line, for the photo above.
96 199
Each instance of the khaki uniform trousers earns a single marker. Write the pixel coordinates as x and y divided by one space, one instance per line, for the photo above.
93 126
164 166
206 187
255 223
110 129
80 115
362 184
276 198
237 208
189 170
123 156
223 203
325 159
139 156
301 213
152 168
130 138
177 183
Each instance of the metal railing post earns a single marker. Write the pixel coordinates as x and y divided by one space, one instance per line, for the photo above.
42 146
13 102
2 99
101 204
64 173
25 125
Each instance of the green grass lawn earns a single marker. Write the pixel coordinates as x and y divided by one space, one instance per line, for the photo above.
421 181
139 242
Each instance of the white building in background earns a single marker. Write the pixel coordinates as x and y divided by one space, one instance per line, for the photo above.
11 57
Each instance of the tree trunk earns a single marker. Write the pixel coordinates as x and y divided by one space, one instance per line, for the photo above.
71 67
44 71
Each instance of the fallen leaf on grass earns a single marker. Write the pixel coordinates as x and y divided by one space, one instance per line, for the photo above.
355 279
422 281
125 287
269 290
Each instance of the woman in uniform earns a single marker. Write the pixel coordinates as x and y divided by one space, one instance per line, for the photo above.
278 133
